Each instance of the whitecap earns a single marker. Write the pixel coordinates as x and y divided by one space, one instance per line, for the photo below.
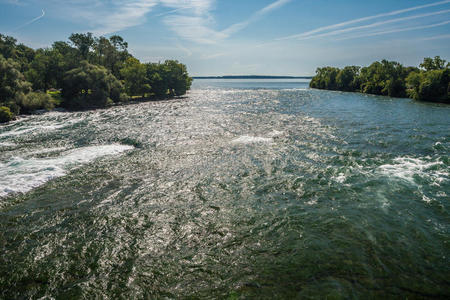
407 168
40 128
20 175
275 133
246 139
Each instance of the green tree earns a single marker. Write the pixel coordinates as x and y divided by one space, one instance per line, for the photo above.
7 46
384 78
135 77
430 64
156 73
5 114
177 77
90 86
83 42
325 78
46 69
348 79
433 85
13 85
34 101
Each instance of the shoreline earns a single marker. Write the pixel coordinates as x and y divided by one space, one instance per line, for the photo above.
67 110
385 96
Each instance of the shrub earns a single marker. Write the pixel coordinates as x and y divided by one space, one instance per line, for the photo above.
36 100
5 114
430 85
90 86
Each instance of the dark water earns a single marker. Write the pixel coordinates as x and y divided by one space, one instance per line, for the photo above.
245 189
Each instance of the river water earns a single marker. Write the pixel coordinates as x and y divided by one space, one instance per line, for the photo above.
243 189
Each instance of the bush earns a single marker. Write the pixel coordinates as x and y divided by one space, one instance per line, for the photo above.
5 114
90 86
430 85
36 100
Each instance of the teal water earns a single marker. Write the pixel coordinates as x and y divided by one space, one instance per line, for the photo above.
243 189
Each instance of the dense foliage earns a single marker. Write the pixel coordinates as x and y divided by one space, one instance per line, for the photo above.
90 86
85 72
430 82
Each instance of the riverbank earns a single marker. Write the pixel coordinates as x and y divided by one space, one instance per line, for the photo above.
132 101
430 82
78 75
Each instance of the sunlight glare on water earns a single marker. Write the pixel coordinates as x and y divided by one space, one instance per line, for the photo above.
243 189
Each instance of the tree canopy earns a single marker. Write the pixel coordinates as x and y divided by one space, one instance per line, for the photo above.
83 72
390 78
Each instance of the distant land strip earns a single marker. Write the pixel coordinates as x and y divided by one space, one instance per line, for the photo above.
252 77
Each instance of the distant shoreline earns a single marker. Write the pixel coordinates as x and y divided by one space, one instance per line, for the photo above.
252 77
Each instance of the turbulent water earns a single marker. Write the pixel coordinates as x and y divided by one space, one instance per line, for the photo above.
243 189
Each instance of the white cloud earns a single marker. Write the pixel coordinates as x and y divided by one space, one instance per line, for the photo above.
395 30
437 37
256 16
360 20
117 15
194 22
191 20
373 25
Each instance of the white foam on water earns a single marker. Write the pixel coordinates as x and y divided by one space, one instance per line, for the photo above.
275 133
16 132
19 175
246 139
340 178
6 144
407 168
46 151
294 89
31 127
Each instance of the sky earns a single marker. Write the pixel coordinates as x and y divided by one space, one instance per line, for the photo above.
251 37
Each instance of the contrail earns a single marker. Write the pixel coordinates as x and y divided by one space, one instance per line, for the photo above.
394 31
172 11
256 16
377 24
437 37
392 13
29 22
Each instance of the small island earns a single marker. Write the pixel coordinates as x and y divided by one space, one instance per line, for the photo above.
87 72
429 82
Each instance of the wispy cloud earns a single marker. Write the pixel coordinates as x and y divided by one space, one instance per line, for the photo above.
215 55
437 37
15 2
196 23
373 25
255 17
193 23
395 30
184 49
29 22
123 15
360 20
191 20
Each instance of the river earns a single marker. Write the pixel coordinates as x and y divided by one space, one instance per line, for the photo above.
242 189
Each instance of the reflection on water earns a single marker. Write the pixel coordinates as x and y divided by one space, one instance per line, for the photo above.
244 189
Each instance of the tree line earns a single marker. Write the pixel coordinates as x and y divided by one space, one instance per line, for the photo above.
81 73
429 82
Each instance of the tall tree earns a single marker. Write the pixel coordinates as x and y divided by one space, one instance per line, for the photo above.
90 86
13 85
430 64
135 77
83 42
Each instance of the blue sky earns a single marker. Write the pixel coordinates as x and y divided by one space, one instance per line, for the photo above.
231 37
